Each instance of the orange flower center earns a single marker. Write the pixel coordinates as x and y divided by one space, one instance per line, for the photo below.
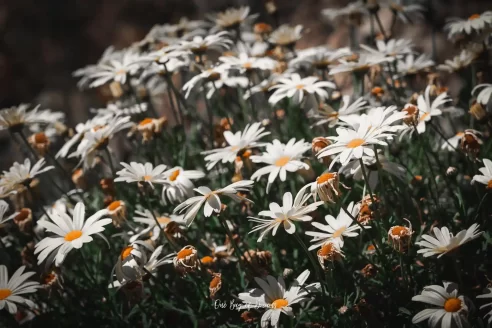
460 134
40 138
452 305
4 293
215 282
371 248
398 231
72 235
355 143
49 278
145 121
114 205
207 260
282 161
247 65
326 250
163 220
184 253
300 86
339 232
23 215
280 303
325 177
474 16
489 184
423 117
174 175
126 252
147 177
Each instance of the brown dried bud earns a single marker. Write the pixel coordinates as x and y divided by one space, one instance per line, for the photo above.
470 143
23 219
215 284
249 316
478 112
78 179
327 187
377 92
412 117
400 237
262 29
319 143
329 252
186 260
27 255
368 210
117 211
40 143
149 127
260 261
369 271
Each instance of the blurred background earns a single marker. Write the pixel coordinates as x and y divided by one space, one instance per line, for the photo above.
42 44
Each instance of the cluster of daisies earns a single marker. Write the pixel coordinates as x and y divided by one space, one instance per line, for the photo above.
259 138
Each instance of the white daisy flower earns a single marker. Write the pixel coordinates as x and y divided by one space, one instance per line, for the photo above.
464 59
483 96
411 65
487 295
4 207
445 242
156 261
281 158
318 57
178 184
353 9
346 112
70 233
451 310
486 176
363 63
381 119
237 142
474 23
12 290
147 218
232 18
142 173
336 229
22 174
225 80
244 63
452 143
274 297
286 35
16 117
115 69
208 75
428 109
295 87
354 144
211 199
393 48
286 214
200 45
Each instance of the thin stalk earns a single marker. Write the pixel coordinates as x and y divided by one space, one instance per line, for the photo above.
110 161
210 120
380 25
366 179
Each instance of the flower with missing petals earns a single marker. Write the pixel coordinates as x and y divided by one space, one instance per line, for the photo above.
330 252
186 260
486 177
400 237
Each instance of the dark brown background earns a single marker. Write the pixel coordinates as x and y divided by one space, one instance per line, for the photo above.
42 42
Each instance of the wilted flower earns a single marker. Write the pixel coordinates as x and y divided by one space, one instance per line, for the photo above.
329 252
150 127
186 260
369 271
470 142
23 219
117 212
400 237
215 284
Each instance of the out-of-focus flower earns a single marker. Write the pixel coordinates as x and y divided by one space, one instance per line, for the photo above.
470 142
149 127
116 70
405 12
346 112
445 242
152 229
295 87
286 35
361 64
411 65
12 290
4 207
200 45
141 173
281 158
488 294
215 284
354 12
23 219
21 175
483 96
233 18
186 260
473 24
17 117
464 59
451 310
486 176
393 49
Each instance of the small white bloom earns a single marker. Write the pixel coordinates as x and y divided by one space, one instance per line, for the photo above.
17 117
295 87
336 229
114 70
444 241
451 310
281 158
274 297
353 9
286 35
13 290
464 59
474 23
178 184
363 63
70 233
200 45
393 48
411 65
21 174
428 108
486 176
4 207
141 173
211 199
452 143
484 95
237 142
346 112
286 214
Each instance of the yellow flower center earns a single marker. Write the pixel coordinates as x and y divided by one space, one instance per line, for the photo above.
280 303
4 293
114 205
145 121
184 253
474 16
174 175
339 232
355 143
300 86
72 235
282 161
126 252
147 177
452 305
247 65
163 220
325 177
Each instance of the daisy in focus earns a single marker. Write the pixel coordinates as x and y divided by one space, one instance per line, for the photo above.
428 109
70 233
178 184
286 214
272 295
296 87
211 200
237 142
444 241
353 144
451 310
13 290
336 229
142 174
486 176
281 158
